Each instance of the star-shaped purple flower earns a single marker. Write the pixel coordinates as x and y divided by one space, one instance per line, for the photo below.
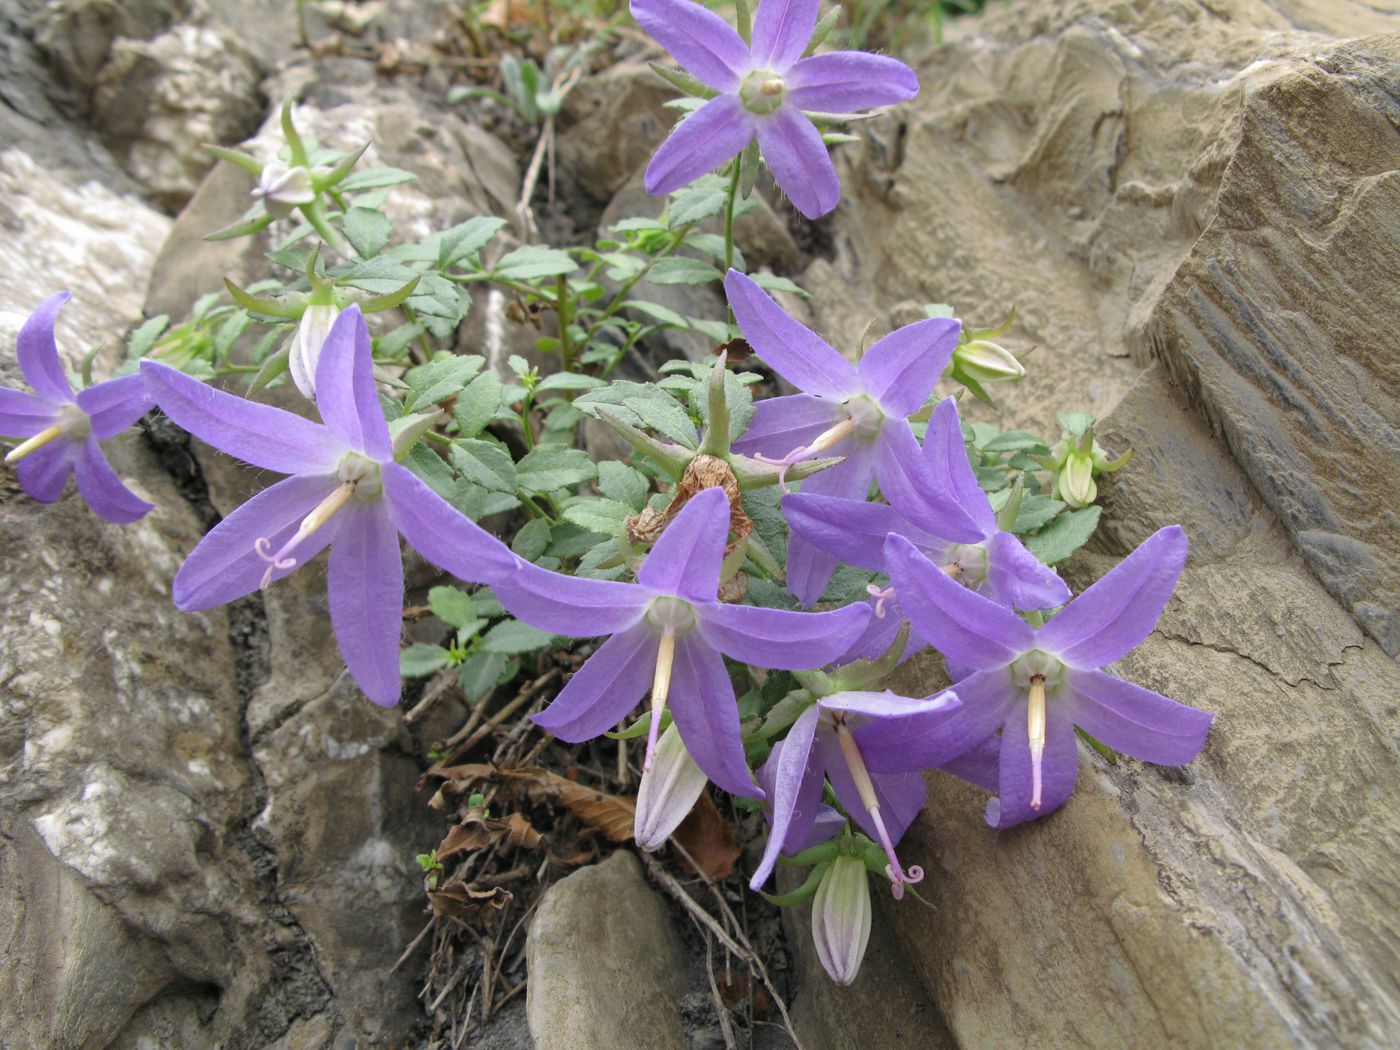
919 489
860 412
62 431
1036 684
763 89
833 739
345 491
669 630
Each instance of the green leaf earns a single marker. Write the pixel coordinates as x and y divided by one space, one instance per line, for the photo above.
532 539
1014 441
452 606
485 463
548 469
439 379
480 672
656 312
701 199
141 341
420 659
367 230
532 261
478 404
676 269
620 482
569 381
512 636
778 284
466 239
1064 535
602 517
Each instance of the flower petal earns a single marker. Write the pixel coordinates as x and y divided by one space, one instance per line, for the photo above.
365 588
960 623
901 795
1119 611
22 414
43 473
879 635
779 638
703 705
797 157
1018 579
890 705
345 393
226 565
978 766
264 436
809 568
570 605
705 44
916 492
1137 721
441 533
1059 768
852 530
701 142
686 559
900 370
38 353
667 793
794 786
781 424
945 452
782 29
845 81
925 741
604 689
789 347
116 404
102 489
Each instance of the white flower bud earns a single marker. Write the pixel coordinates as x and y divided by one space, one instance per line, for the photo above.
281 188
668 791
1076 480
987 362
841 918
311 333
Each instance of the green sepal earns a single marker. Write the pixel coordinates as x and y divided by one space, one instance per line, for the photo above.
743 20
238 159
289 132
755 474
241 229
862 674
379 303
823 29
1108 466
783 714
683 82
1011 509
797 896
715 440
1098 745
761 556
640 727
819 683
671 458
320 183
265 307
821 853
748 169
272 367
405 431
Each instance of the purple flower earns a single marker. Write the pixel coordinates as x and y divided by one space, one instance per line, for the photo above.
668 631
345 489
834 739
763 89
62 431
919 489
1037 684
860 412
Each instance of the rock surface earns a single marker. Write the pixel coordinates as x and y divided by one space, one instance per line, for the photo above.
606 969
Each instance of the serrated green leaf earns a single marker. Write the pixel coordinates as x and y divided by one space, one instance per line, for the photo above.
480 672
512 637
1014 441
533 261
1064 535
700 200
486 464
659 412
620 482
367 230
676 269
656 312
478 404
420 659
602 517
532 539
439 379
141 341
548 469
375 178
569 381
466 239
452 606
774 283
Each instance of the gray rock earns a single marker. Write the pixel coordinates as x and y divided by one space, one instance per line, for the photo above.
77 35
606 969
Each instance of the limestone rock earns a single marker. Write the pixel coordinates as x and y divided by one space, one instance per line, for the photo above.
77 35
606 969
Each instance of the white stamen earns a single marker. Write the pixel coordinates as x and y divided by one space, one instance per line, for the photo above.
323 512
35 443
1035 729
660 689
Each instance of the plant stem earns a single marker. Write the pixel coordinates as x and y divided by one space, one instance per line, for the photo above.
729 202
563 308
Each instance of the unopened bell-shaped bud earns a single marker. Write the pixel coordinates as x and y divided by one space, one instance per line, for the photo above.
988 362
312 329
281 188
668 791
1076 480
841 918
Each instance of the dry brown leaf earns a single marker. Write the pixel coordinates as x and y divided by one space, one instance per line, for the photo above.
739 990
460 901
613 815
702 472
709 839
519 831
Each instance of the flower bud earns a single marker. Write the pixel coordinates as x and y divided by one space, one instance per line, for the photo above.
987 362
311 333
281 188
841 918
668 791
1076 480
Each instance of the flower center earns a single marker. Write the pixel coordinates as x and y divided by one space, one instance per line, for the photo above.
866 415
71 422
1038 671
762 92
673 617
359 480
967 562
865 788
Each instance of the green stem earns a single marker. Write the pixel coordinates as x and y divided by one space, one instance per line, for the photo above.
729 201
563 308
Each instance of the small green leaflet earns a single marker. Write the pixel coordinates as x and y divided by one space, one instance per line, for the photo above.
1065 535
